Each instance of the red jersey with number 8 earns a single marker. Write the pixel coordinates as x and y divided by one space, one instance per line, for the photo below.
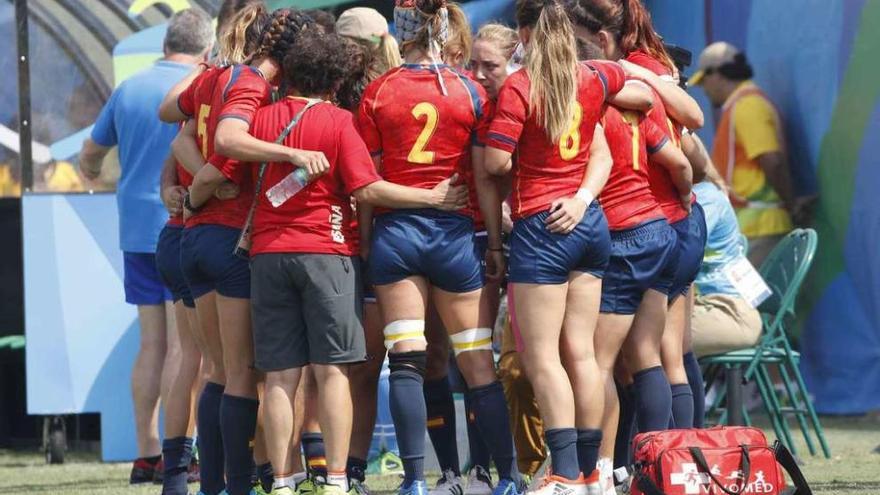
545 170
423 136
627 198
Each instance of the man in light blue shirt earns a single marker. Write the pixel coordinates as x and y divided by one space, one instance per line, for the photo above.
722 319
130 121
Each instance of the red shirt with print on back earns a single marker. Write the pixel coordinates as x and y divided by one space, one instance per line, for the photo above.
661 182
423 136
626 198
219 93
544 170
318 219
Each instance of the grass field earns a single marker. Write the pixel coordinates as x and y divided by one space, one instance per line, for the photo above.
853 469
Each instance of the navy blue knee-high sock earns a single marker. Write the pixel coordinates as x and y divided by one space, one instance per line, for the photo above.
588 449
625 425
490 412
682 405
238 421
653 399
440 408
313 448
211 460
407 404
695 380
477 446
177 454
562 444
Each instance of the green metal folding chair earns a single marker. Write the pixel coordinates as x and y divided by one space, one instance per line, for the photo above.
784 271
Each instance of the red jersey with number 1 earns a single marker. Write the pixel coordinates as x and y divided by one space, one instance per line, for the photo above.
545 170
236 92
626 198
423 136
661 182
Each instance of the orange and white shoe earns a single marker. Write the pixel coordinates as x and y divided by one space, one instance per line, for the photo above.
606 476
557 485
593 483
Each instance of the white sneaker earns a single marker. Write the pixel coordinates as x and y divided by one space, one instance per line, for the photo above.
556 485
606 476
448 484
479 482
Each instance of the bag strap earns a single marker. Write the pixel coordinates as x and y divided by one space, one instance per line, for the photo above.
745 463
787 461
646 484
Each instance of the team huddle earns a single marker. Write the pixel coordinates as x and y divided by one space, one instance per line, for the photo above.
342 197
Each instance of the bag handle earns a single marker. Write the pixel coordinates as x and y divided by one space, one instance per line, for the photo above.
646 484
787 461
745 463
242 247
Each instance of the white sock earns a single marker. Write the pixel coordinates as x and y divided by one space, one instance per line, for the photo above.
281 482
339 479
300 477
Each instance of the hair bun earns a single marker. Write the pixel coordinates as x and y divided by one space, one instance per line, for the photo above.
430 7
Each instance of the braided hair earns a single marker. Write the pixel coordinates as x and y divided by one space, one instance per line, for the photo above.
281 33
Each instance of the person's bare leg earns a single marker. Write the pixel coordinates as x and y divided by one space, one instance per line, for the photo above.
179 401
146 378
611 332
364 379
672 356
279 399
173 353
641 352
334 413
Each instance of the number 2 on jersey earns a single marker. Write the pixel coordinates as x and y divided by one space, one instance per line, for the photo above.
570 143
632 118
202 128
418 154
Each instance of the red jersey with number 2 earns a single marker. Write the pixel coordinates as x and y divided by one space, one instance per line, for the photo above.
626 198
423 136
545 170
661 182
236 92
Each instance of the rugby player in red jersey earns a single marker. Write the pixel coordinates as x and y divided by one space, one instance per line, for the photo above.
307 292
548 112
422 123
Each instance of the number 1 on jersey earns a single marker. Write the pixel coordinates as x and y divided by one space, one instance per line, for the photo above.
570 143
632 118
418 154
202 128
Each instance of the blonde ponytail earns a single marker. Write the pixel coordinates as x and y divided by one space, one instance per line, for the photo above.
238 39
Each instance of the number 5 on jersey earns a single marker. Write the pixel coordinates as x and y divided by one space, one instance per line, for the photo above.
418 154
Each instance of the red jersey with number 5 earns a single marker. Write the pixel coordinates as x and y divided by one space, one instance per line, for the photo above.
626 198
545 170
422 135
661 182
236 92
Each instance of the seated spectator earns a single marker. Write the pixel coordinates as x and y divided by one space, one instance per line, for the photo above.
722 319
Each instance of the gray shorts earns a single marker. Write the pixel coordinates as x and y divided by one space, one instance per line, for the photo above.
307 308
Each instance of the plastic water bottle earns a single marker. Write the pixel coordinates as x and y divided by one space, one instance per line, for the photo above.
288 187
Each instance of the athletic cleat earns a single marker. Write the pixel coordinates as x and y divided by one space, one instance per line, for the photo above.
142 471
358 487
507 486
557 485
306 487
257 489
193 474
594 485
479 482
328 489
606 476
159 473
448 484
283 490
417 487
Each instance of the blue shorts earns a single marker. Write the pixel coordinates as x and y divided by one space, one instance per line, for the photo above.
168 264
691 247
436 245
208 262
538 256
638 258
143 285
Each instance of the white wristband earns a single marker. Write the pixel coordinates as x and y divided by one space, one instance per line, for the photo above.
584 195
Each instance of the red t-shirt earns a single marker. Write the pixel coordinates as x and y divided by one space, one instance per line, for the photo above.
544 170
423 136
318 218
626 197
661 182
232 92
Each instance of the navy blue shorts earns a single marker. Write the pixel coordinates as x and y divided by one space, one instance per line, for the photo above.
538 256
206 255
429 243
143 285
168 264
638 258
691 247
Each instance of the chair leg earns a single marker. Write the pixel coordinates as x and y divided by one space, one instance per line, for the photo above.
799 411
715 407
766 384
814 418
